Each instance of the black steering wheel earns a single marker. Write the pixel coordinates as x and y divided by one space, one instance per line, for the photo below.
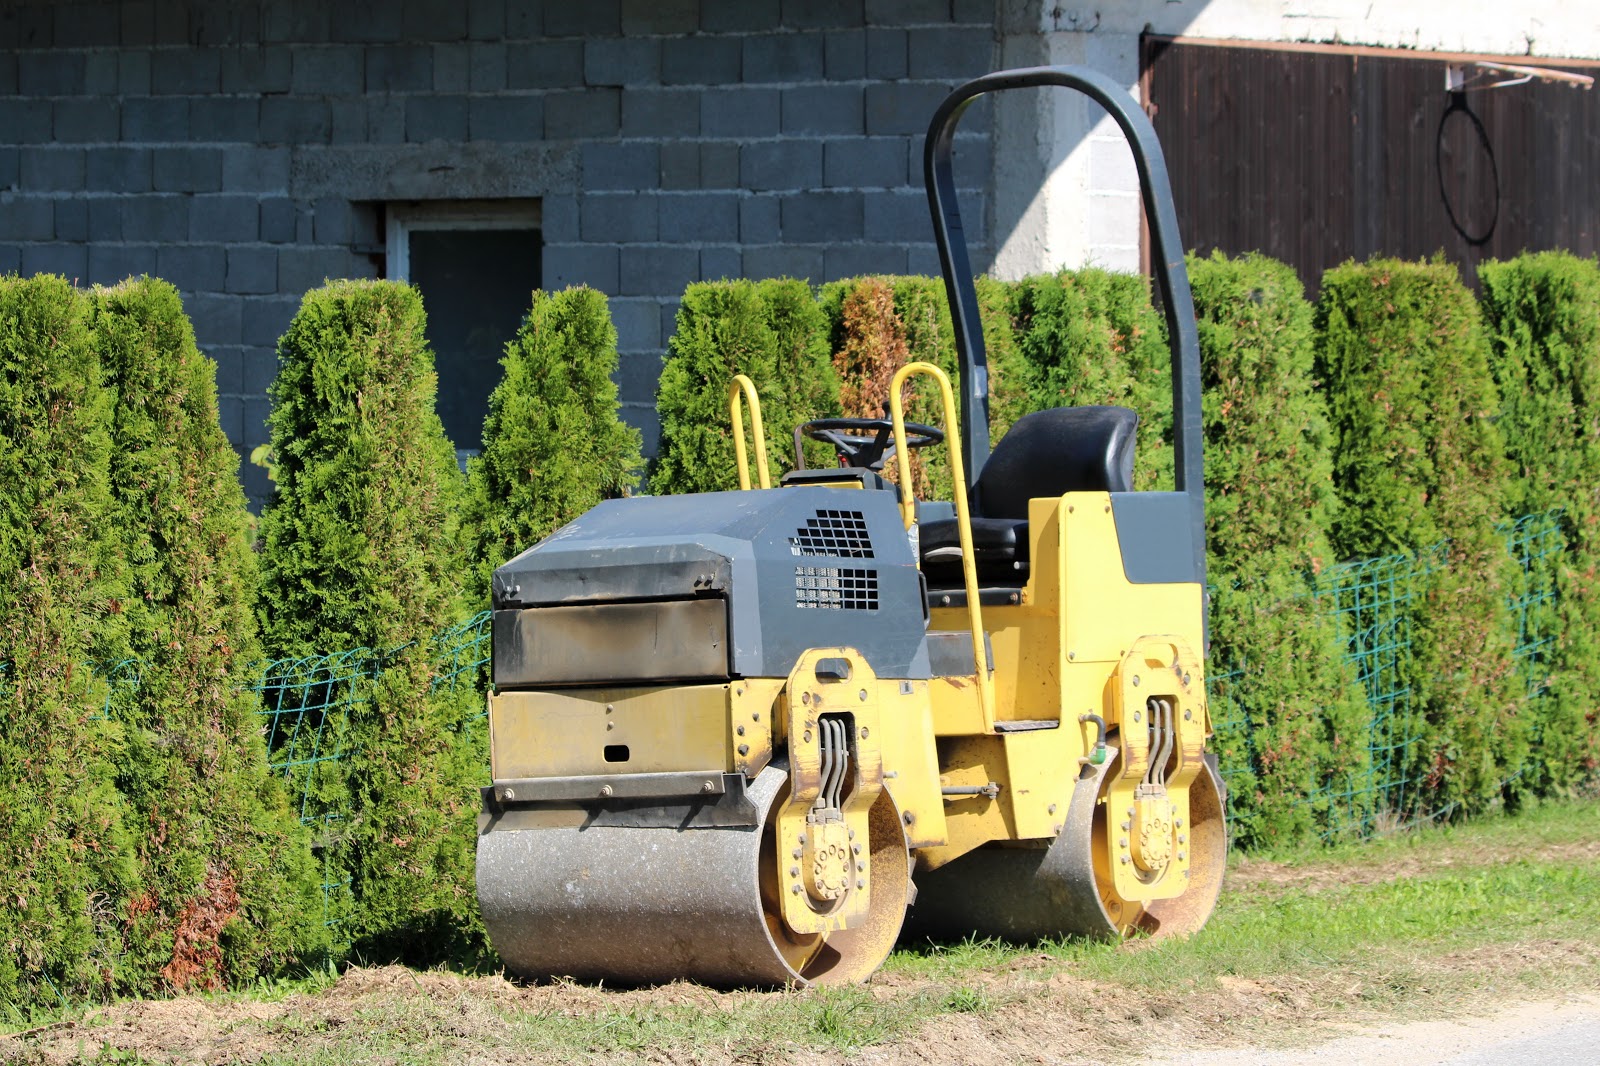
864 443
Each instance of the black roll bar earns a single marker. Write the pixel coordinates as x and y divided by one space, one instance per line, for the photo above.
1166 258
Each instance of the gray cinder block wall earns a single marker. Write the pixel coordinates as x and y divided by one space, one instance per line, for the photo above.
246 151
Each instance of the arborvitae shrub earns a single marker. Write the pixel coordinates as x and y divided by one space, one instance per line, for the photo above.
1419 462
230 892
764 331
1276 655
553 446
67 861
361 549
1008 375
1543 319
1092 337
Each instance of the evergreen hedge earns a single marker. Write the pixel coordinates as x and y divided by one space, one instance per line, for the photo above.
553 445
1093 337
361 549
1419 462
1298 723
230 891
68 860
770 331
1543 320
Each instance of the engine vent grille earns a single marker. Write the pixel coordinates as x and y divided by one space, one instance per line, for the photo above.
841 534
836 588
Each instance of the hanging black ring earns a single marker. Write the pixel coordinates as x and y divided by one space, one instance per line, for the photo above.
1458 102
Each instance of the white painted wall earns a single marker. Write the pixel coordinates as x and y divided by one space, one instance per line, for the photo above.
1066 194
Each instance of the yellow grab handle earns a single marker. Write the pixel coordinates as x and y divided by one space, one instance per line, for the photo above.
969 563
739 384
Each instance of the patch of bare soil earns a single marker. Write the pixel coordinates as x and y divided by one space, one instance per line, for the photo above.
1260 876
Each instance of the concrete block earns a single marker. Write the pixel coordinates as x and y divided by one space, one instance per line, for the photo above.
719 166
669 319
858 260
155 119
638 324
486 19
722 262
327 70
888 56
87 119
923 260
366 223
680 165
659 18
620 218
105 219
8 72
700 60
816 217
622 61
254 425
524 21
35 26
252 270
844 55
171 25
293 20
1111 167
26 218
191 267
155 218
621 165
560 219
834 110
187 72
347 120
71 218
226 219
972 161
332 221
386 119
254 169
544 65
277 220
365 23
51 169
71 261
700 217
436 118
594 265
902 108
10 167
216 317
582 114
643 417
133 73
742 113
25 121
136 23
637 375
399 68
187 169
225 118
487 64
591 18
302 269
52 73
783 57
293 120
951 52
265 319
906 12
752 16
433 20
506 118
866 163
452 68
266 69
758 220
658 270
898 216
110 263
230 368
660 112
823 14
10 258
765 165
783 261
99 74
259 363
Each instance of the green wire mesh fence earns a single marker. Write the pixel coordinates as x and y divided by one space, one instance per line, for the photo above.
1374 602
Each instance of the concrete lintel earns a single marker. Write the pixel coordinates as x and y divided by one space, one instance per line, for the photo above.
441 171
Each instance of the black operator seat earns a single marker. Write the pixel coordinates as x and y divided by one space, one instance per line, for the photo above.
1047 453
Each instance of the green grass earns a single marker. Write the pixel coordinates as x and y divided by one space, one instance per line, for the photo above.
1432 918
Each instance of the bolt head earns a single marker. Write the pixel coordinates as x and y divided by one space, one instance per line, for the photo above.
1182 856
855 849
611 725
794 871
864 733
508 795
606 790
1188 715
797 852
1135 680
860 883
795 889
1051 809
863 695
1126 860
908 818
739 730
744 749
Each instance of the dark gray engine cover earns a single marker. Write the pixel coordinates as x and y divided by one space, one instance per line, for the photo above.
799 568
